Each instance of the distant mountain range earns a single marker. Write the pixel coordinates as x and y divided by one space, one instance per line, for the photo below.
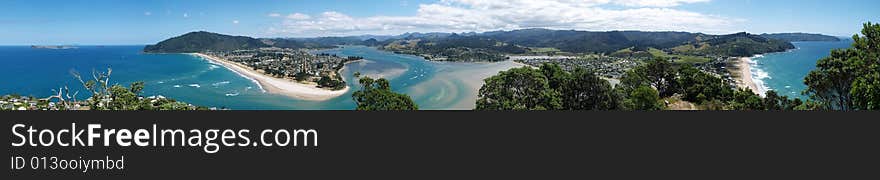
739 44
513 42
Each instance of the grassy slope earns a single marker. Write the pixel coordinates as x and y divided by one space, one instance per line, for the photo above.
682 59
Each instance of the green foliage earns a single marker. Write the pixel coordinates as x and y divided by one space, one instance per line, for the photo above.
742 45
376 95
331 83
644 98
547 88
586 91
745 99
301 76
699 87
657 73
518 89
695 86
849 79
118 97
774 102
677 58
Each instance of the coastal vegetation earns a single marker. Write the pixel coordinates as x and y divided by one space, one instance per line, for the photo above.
849 79
645 87
104 96
376 95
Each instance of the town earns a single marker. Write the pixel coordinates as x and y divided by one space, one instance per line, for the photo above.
614 68
298 64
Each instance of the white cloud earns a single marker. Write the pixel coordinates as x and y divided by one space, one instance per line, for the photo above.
298 16
274 15
489 15
656 3
234 21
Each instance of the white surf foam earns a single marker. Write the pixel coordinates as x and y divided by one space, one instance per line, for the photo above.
759 75
236 72
220 83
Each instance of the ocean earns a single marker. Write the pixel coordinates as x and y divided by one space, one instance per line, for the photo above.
433 85
784 72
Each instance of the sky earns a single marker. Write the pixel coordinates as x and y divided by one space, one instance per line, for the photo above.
137 22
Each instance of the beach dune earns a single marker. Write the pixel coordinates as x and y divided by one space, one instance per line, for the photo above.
280 86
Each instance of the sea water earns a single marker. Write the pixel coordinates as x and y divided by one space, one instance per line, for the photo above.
433 85
784 72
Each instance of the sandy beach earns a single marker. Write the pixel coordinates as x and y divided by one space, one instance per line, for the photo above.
286 87
743 75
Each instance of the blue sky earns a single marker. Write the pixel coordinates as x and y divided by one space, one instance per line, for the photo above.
111 22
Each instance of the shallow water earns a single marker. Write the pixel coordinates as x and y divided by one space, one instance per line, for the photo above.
433 85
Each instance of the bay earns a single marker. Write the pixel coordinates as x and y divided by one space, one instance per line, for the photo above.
433 85
784 72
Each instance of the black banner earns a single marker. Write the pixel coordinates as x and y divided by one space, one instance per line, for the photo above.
459 145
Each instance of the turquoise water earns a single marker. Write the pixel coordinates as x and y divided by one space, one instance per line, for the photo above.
784 72
433 85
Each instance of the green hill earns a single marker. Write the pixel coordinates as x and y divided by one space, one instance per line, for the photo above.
204 41
612 42
738 45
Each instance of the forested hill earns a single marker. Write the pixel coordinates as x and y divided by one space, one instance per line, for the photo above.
492 45
739 44
794 37
735 45
204 41
207 41
592 42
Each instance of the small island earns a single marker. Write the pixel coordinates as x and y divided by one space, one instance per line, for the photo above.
53 47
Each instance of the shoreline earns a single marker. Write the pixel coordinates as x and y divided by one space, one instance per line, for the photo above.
745 78
275 85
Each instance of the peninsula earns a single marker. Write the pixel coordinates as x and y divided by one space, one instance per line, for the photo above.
292 72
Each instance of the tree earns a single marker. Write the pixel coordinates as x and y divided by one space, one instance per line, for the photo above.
583 90
118 97
657 73
376 95
745 99
556 76
644 98
849 79
699 87
518 89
